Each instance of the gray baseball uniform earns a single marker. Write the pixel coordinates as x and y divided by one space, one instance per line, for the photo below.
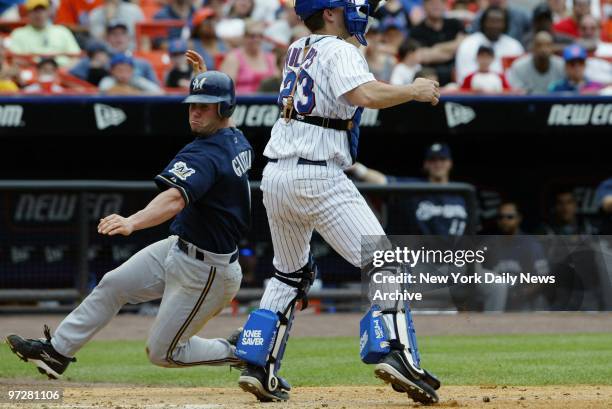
195 271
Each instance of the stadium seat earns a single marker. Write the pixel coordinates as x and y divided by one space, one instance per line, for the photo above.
159 59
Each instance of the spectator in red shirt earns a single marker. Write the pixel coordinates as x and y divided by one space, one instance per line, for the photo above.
485 80
570 25
74 14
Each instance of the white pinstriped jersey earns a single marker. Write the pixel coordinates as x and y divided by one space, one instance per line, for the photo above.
331 68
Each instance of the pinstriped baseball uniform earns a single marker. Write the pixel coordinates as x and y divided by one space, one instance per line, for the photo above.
300 198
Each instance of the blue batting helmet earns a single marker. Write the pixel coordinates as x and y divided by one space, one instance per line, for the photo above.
355 13
213 87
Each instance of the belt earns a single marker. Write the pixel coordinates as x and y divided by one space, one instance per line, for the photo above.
199 254
331 123
304 161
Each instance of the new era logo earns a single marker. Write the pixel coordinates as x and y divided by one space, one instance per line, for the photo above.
457 114
108 116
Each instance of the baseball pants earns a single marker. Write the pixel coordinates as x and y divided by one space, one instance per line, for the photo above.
191 292
300 198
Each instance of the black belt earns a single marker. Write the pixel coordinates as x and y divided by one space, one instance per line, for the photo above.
331 123
304 161
200 255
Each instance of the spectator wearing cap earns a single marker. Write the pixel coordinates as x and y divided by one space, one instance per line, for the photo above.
74 14
517 25
204 38
403 13
40 36
179 75
118 40
249 64
409 63
575 80
570 25
590 37
542 20
484 80
534 72
114 10
434 214
439 38
124 80
176 10
232 27
47 78
494 23
393 34
95 66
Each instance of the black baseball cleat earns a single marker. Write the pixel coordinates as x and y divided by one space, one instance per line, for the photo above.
233 338
392 369
41 353
253 380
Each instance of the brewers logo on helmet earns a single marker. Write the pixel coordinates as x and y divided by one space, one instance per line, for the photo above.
213 87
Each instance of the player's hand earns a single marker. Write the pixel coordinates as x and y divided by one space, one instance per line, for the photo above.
115 224
425 90
196 61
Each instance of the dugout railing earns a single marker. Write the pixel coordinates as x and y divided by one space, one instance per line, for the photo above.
25 223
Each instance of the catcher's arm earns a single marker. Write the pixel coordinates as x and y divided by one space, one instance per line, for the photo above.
196 61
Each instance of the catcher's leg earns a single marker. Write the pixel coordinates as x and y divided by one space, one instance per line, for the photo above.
265 335
351 228
401 365
196 291
291 230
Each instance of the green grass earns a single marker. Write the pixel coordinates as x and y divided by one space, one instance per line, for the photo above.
457 360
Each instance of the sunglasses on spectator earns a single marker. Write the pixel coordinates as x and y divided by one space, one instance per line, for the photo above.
506 216
254 35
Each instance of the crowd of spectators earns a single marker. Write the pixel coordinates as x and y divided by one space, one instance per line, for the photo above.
123 47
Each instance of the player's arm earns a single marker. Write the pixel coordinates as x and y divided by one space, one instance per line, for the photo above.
364 174
379 95
162 208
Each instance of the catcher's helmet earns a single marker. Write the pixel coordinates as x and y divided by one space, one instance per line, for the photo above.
355 13
212 87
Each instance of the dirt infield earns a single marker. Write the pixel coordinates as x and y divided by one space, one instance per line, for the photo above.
134 326
370 397
130 326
